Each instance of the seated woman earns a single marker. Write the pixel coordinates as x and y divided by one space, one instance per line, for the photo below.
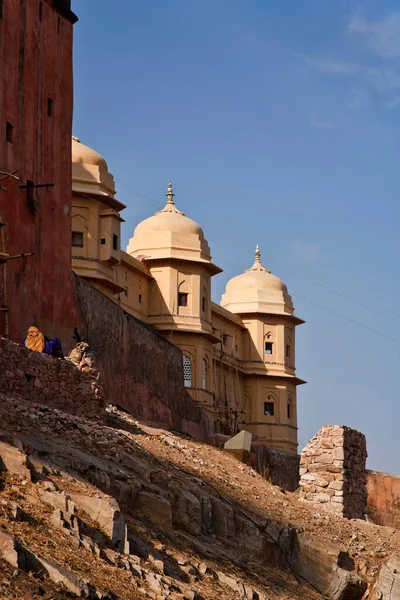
36 341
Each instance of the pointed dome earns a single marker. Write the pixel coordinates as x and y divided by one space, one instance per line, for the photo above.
170 234
257 290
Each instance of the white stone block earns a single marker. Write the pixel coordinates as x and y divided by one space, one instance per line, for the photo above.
241 441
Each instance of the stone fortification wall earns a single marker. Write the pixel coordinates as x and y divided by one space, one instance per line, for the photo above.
42 379
277 466
383 505
141 370
332 471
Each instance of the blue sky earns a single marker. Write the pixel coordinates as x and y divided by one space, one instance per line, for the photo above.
278 124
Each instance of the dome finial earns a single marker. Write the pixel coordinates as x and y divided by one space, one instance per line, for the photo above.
170 194
170 206
257 266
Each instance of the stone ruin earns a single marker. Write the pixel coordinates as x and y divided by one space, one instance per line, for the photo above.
333 471
42 379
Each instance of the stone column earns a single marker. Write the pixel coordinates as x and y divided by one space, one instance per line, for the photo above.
333 471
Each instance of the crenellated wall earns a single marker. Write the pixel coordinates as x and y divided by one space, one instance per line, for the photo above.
42 379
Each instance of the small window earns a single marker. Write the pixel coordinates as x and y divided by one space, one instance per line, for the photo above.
140 298
203 304
115 242
49 107
1 9
9 132
77 239
204 374
40 11
182 299
58 25
103 241
269 409
187 371
289 409
287 351
268 347
30 197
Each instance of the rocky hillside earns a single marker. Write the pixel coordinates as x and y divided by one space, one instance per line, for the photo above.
126 510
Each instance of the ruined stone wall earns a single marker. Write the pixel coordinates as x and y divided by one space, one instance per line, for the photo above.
383 504
277 466
141 370
50 381
332 471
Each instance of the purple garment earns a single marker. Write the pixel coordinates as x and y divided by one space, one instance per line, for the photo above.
54 348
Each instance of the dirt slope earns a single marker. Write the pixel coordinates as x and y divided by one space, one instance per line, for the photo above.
133 511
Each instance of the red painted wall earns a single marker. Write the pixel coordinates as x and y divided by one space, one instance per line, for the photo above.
36 65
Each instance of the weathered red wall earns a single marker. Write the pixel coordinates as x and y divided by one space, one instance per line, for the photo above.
36 64
383 504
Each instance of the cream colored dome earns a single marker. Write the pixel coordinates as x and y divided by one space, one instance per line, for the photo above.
257 290
170 221
85 155
260 280
90 174
170 234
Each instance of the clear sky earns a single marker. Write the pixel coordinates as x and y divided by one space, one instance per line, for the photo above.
278 123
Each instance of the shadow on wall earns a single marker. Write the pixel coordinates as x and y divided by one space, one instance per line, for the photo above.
141 370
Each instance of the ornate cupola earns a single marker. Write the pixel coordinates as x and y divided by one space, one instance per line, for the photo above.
257 291
171 234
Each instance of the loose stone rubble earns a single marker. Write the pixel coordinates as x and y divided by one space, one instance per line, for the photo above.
333 471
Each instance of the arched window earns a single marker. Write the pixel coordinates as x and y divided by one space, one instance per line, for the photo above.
270 406
204 374
268 343
183 295
187 371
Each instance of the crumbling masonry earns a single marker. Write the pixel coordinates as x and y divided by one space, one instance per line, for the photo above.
333 473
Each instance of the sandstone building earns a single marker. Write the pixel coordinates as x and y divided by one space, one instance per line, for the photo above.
239 356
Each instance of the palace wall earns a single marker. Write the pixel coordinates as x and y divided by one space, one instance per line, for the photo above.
141 370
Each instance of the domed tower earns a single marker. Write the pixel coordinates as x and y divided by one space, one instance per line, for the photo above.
178 257
96 220
266 309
